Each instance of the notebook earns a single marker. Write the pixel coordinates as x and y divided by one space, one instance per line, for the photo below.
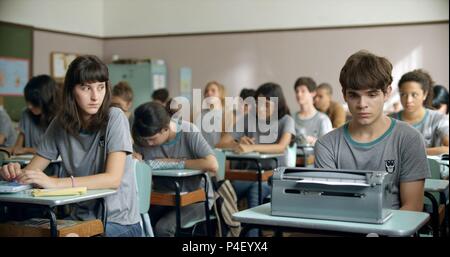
12 187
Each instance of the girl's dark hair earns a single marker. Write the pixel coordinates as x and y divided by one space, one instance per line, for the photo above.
440 96
274 90
364 70
247 92
84 69
425 81
41 91
149 119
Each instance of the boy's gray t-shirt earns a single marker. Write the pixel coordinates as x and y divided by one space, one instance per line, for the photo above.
188 144
86 155
400 151
264 136
318 125
434 126
7 129
33 133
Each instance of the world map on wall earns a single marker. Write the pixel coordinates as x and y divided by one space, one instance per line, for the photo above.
14 74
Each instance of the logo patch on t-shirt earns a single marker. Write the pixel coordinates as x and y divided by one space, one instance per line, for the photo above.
389 166
101 142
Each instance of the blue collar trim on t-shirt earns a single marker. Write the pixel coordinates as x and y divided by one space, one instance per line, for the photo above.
369 144
418 124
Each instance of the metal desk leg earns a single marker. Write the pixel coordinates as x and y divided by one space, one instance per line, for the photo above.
104 214
208 221
258 165
177 208
53 224
444 225
435 214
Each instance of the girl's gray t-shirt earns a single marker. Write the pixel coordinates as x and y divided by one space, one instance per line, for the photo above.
268 135
433 127
400 151
86 155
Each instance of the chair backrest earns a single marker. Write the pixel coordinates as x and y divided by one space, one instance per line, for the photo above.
435 168
292 155
220 156
144 185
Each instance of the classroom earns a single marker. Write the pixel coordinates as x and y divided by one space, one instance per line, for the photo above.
210 118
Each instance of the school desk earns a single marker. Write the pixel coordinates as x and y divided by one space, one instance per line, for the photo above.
255 157
49 202
401 223
181 199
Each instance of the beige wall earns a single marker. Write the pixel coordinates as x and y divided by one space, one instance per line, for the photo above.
46 42
249 59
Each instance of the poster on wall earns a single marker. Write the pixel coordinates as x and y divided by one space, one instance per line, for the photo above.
60 63
186 82
14 74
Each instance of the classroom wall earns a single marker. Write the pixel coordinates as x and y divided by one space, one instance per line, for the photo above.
110 18
156 17
76 16
46 42
249 59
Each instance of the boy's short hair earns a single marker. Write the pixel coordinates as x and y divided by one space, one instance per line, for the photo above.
149 119
306 81
161 94
123 90
364 70
327 87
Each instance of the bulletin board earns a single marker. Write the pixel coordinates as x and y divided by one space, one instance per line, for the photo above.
14 74
59 63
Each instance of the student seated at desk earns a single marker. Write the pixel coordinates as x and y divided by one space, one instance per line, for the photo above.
177 144
310 124
274 137
7 133
42 98
372 140
212 119
122 97
94 143
416 91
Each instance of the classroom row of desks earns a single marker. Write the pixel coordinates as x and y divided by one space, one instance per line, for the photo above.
258 216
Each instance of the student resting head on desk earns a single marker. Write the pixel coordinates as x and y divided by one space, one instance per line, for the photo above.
275 137
42 99
172 144
94 143
373 141
415 93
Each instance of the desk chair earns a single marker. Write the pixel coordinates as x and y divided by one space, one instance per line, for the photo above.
144 190
292 155
436 200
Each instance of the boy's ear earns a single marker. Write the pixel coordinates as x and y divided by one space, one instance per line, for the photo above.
388 93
